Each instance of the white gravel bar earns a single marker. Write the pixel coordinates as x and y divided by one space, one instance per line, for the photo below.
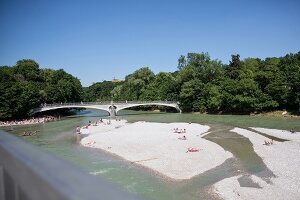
282 158
283 134
156 146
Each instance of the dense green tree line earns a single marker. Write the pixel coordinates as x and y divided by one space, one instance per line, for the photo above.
202 84
101 91
25 86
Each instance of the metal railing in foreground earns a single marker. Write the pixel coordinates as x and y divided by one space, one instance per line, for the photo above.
27 173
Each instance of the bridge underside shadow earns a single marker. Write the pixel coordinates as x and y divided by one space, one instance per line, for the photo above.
148 109
67 110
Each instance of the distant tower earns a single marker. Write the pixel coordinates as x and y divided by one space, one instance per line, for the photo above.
114 80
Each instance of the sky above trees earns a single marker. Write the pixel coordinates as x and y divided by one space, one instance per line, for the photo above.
99 40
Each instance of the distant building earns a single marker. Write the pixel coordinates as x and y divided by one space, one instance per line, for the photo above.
114 80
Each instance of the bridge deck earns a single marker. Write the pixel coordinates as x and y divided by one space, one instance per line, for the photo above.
111 107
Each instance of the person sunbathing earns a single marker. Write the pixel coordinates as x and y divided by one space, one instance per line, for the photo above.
180 131
90 143
266 142
85 127
269 142
182 138
192 149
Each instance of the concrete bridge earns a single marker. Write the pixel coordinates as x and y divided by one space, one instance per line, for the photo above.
109 106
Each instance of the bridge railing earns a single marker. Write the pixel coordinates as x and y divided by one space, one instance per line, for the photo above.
75 104
106 103
26 173
144 102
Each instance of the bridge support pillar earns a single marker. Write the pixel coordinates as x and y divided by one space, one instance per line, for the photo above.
112 112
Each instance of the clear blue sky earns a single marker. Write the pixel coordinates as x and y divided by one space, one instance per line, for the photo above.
97 40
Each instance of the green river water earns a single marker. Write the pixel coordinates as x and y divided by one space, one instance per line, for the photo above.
59 138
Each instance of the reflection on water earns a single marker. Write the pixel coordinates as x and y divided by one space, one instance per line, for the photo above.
60 139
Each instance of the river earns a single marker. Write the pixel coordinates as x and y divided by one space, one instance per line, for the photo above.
59 138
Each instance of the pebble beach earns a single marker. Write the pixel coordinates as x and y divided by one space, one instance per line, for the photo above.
159 147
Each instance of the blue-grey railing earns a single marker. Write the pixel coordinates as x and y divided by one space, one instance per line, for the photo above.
28 173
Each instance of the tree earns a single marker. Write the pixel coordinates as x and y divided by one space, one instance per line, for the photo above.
27 70
200 66
249 68
244 96
100 91
290 66
6 81
19 92
272 81
116 93
61 87
213 97
198 60
188 73
136 83
234 67
181 62
191 96
163 87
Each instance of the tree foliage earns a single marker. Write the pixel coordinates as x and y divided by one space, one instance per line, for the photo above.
201 84
101 91
25 86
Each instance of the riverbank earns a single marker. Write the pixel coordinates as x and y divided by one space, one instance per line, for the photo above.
34 120
282 158
279 113
159 146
